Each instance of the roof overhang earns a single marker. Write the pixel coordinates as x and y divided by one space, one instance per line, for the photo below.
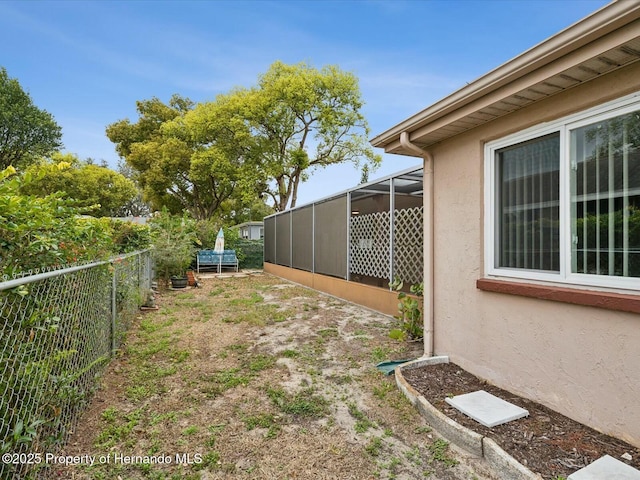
605 41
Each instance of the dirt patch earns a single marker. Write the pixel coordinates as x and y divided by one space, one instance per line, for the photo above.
546 442
256 378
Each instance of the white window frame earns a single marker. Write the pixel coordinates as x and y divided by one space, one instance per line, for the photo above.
563 126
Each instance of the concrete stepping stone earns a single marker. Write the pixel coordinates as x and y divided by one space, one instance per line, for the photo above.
486 408
606 468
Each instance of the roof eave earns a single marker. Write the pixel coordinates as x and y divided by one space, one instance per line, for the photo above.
600 23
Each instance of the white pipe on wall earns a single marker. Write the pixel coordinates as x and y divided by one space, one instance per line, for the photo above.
427 157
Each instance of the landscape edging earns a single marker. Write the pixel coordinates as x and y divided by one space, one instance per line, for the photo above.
476 444
503 463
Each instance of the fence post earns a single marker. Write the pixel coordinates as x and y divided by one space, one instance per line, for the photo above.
139 284
114 283
348 276
392 220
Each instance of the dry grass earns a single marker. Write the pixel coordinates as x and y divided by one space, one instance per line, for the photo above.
255 378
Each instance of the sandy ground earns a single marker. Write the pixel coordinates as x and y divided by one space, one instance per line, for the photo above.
251 377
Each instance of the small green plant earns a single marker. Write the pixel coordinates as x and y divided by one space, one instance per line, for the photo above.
374 446
439 450
257 363
383 389
362 422
117 431
328 332
110 414
191 430
263 420
290 353
392 466
222 381
210 460
422 429
21 435
378 354
304 403
137 393
409 312
414 456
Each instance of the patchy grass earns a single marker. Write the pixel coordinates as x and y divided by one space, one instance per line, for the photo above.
362 421
305 403
374 447
255 378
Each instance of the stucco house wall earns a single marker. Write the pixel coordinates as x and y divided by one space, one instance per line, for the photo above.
563 333
581 361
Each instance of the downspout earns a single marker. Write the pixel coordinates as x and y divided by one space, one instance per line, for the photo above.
428 241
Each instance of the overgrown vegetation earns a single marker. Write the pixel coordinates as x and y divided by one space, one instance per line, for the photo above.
174 244
410 315
40 232
57 332
90 185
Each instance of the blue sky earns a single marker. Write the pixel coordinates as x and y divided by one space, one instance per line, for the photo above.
88 62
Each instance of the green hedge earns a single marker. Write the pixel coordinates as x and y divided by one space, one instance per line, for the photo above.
252 253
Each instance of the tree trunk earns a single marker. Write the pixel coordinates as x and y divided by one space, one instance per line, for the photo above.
295 180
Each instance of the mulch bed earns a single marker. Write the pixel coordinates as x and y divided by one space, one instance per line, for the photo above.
546 442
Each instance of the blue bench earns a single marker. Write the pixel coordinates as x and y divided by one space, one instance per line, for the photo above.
218 260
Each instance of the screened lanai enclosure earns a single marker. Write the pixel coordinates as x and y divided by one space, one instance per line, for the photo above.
370 234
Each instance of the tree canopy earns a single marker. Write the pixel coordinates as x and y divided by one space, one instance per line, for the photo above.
248 144
304 118
43 231
181 164
26 131
84 182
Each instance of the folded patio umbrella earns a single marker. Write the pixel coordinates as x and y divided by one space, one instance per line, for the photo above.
219 247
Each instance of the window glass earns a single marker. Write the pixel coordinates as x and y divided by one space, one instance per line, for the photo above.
605 197
527 205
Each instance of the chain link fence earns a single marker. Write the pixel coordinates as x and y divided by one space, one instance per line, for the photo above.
58 330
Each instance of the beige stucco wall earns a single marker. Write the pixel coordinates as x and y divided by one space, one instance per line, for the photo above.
583 362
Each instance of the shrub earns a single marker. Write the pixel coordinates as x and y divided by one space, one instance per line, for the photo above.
252 253
129 236
174 244
49 231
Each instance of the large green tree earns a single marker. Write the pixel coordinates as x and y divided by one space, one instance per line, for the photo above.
86 183
26 131
304 118
142 146
296 119
181 163
250 143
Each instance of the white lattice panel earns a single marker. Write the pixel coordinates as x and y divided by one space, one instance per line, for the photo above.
370 244
408 262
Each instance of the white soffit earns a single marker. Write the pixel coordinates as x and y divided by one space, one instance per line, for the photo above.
606 468
602 64
486 408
